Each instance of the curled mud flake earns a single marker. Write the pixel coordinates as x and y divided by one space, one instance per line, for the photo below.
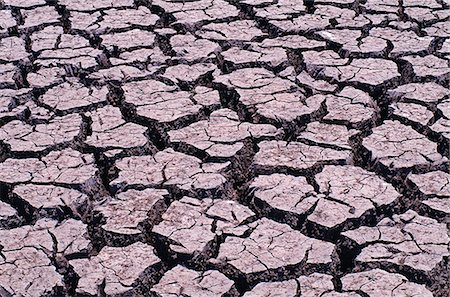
24 3
333 2
123 19
426 15
245 30
404 42
378 283
369 46
436 183
254 78
73 96
36 113
167 32
444 108
437 208
68 237
190 48
371 71
189 74
353 43
8 216
116 270
288 288
84 21
113 153
434 187
298 24
340 294
442 128
12 49
58 132
414 113
222 135
351 107
180 280
272 97
43 15
168 168
153 57
445 48
350 193
51 200
439 29
316 85
255 55
272 247
315 60
111 131
7 21
11 107
424 3
347 196
19 170
276 156
258 2
87 5
290 195
389 6
54 48
398 147
429 66
313 285
29 272
192 226
46 39
281 10
129 39
283 106
75 59
53 37
166 104
192 13
46 77
206 97
7 75
326 134
403 25
318 284
67 167
130 211
294 42
320 20
121 73
427 93
230 216
406 243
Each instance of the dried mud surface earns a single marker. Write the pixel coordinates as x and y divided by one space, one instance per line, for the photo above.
254 148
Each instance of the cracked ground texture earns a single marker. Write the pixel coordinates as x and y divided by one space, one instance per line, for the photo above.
202 148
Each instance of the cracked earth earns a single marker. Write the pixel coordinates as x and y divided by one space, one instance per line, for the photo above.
202 148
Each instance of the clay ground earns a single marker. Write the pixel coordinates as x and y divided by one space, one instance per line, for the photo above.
224 148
